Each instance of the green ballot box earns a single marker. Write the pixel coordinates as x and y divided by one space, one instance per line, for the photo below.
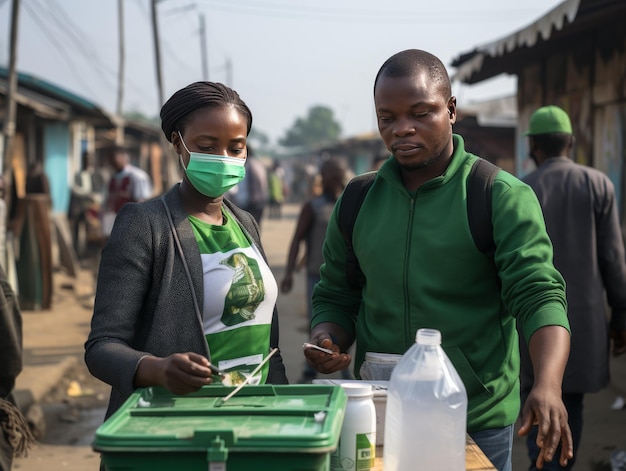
279 428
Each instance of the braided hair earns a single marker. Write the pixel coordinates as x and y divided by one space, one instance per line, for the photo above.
178 110
412 62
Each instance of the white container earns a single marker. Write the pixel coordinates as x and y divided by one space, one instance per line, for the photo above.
426 410
379 389
357 443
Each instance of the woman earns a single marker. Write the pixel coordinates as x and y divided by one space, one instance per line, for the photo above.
160 317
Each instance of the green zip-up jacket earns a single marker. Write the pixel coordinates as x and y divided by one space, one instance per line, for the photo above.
422 269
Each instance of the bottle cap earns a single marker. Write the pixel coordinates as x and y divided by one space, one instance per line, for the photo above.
357 390
428 337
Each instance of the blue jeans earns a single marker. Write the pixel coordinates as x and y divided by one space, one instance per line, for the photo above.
497 445
574 405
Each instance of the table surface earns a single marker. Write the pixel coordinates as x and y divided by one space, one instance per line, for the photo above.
475 459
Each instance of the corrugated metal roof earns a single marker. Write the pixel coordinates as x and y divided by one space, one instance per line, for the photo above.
50 90
41 105
469 63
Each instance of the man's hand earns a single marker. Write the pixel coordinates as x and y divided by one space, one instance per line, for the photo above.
325 362
545 408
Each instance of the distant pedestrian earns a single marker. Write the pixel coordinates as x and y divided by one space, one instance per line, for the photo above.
253 190
311 229
276 190
580 211
127 184
379 160
15 434
86 197
36 180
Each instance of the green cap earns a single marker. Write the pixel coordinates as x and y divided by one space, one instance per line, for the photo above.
549 120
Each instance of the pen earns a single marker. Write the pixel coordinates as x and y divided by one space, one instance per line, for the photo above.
215 370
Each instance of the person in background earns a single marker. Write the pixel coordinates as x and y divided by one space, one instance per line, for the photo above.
127 184
311 229
15 434
581 215
422 269
253 190
276 190
379 160
36 180
183 280
86 197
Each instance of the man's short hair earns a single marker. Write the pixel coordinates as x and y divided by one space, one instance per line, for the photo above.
412 62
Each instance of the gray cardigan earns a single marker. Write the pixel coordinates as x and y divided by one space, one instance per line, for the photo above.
143 302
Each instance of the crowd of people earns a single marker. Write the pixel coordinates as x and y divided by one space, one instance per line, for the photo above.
525 325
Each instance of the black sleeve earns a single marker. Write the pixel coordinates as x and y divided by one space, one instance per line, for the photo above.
10 337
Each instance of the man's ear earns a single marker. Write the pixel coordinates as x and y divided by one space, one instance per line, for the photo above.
452 109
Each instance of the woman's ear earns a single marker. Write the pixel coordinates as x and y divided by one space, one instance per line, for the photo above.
176 143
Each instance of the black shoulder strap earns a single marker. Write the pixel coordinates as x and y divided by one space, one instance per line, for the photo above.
351 201
479 184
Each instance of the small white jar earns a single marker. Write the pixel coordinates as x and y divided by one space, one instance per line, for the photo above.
357 443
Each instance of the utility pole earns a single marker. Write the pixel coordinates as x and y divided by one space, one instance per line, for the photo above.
6 150
157 51
9 121
172 173
203 49
120 80
229 72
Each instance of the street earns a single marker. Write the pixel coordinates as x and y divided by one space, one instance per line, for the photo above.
73 418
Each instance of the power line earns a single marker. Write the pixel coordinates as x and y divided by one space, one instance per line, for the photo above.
77 40
74 36
51 37
360 15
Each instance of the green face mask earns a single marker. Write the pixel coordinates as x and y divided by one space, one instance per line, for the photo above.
213 175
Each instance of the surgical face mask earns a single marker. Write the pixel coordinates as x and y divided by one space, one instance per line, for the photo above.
212 175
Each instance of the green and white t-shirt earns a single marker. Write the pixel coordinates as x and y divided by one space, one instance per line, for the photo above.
239 297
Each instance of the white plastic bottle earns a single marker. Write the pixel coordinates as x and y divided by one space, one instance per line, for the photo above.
357 442
425 425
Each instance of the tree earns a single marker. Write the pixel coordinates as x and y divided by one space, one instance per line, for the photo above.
260 142
136 115
318 126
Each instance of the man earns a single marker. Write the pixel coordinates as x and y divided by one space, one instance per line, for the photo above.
86 195
422 269
127 184
581 218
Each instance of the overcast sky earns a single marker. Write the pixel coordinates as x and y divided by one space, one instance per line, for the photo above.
286 55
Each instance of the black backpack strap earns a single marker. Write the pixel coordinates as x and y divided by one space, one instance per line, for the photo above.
351 201
479 185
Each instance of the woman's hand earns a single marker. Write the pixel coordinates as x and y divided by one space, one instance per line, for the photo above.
179 373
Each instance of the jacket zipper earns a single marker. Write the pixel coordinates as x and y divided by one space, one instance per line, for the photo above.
405 276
